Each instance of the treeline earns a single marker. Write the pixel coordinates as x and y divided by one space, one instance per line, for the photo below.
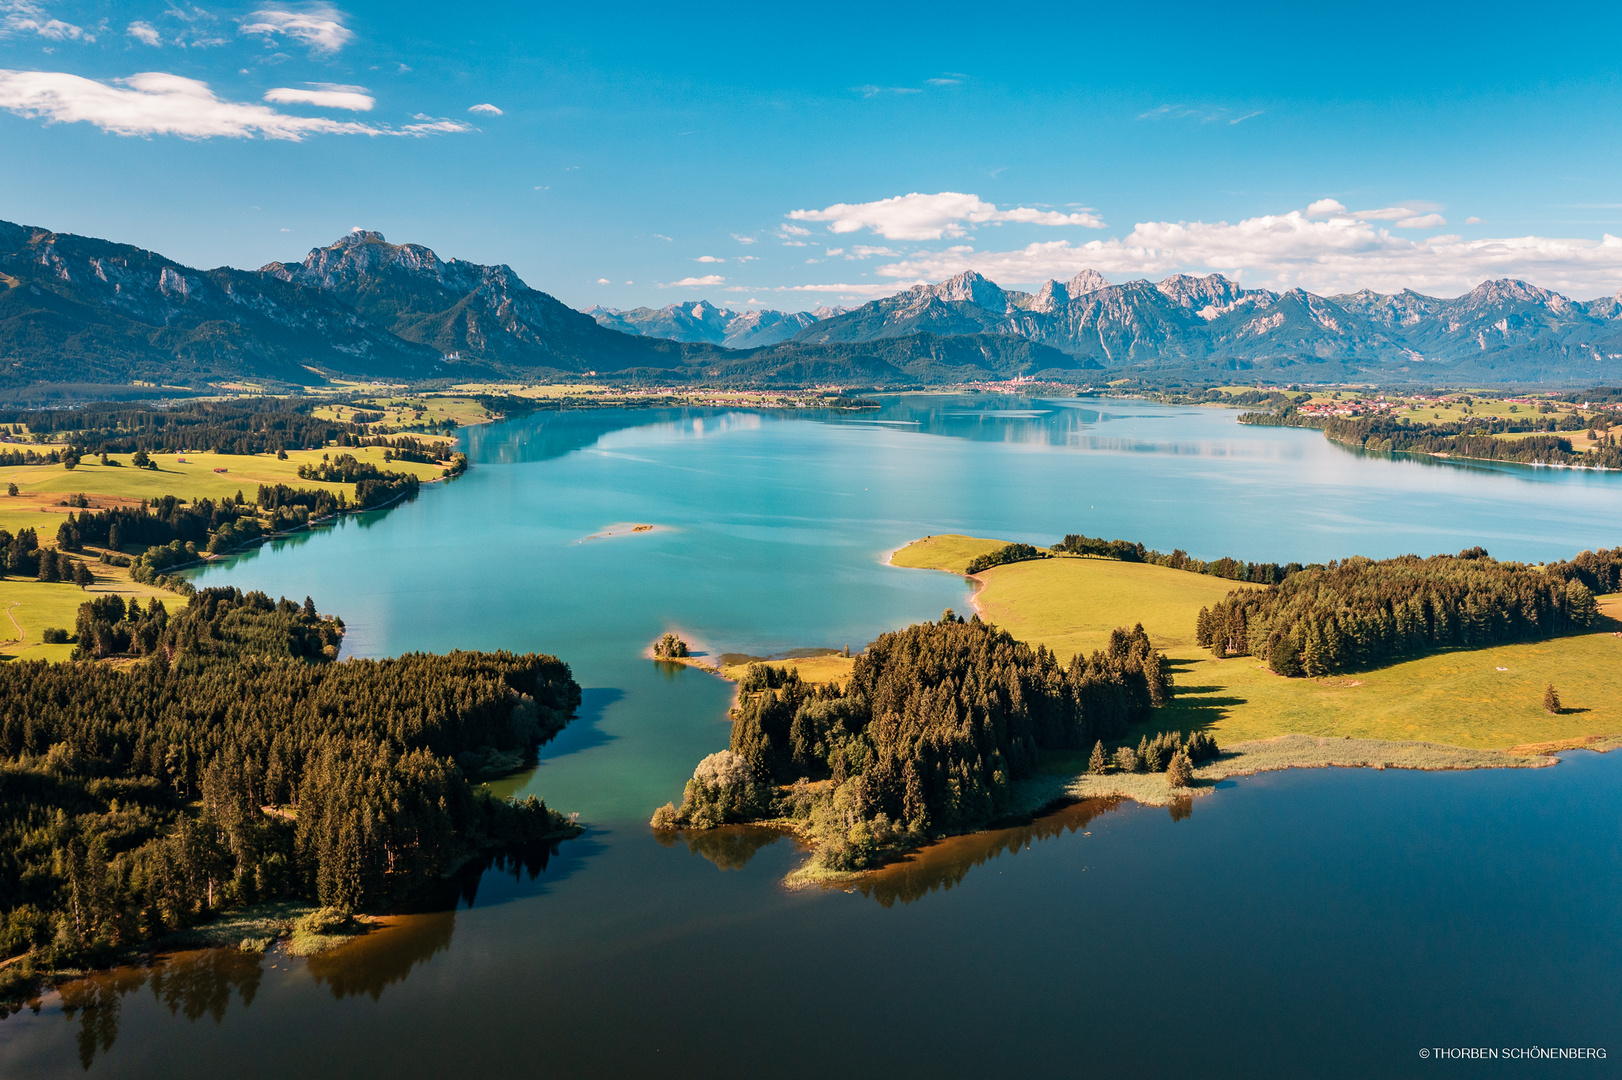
935 725
373 486
220 623
1008 553
21 556
1360 612
1599 571
9 458
135 800
1471 438
252 426
1260 573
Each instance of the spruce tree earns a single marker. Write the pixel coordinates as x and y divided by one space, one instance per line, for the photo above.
1096 765
1180 771
1551 701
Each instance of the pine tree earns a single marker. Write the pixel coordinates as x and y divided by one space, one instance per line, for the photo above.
1096 765
1551 701
1180 771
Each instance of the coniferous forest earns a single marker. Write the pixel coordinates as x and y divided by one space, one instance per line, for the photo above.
935 725
1361 612
237 761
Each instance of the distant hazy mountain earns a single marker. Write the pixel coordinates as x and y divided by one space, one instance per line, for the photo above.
1501 331
702 321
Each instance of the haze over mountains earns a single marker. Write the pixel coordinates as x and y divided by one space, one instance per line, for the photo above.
86 317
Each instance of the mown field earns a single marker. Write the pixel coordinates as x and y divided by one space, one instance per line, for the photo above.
1484 699
41 488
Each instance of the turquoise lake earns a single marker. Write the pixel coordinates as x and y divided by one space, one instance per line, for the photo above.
1312 923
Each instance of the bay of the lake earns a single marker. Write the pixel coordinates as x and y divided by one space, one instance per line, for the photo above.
1326 923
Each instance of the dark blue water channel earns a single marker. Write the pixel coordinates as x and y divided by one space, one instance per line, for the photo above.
1325 923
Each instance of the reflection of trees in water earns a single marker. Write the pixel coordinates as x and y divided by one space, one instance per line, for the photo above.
728 847
368 964
193 984
946 863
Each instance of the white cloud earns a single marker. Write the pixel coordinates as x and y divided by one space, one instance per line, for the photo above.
144 32
1423 221
862 251
325 96
943 82
743 239
1326 208
486 108
604 281
1341 254
929 217
792 230
1205 114
316 25
870 91
1475 221
831 252
25 17
430 126
694 282
708 258
158 103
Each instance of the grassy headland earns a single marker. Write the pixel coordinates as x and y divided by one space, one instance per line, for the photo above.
1482 699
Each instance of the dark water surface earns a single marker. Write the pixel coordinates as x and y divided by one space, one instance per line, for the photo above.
1325 923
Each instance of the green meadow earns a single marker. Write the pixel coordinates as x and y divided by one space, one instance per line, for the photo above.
1483 699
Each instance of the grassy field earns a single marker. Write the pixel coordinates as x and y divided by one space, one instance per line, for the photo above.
34 605
41 488
950 552
404 413
1487 699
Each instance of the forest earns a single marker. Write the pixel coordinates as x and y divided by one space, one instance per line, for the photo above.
246 426
1360 612
1471 438
936 724
237 761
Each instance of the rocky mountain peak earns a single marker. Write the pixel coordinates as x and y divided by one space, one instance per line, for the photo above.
972 287
1088 280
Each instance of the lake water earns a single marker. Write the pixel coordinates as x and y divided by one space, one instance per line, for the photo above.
1324 923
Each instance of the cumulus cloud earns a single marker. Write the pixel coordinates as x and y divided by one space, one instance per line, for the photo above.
604 281
144 32
325 96
743 239
708 258
158 103
695 282
929 217
1475 221
486 108
319 26
1337 254
25 17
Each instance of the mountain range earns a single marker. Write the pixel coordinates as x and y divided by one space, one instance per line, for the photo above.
702 321
83 317
1194 327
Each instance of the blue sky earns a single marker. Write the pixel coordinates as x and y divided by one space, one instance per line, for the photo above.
788 157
